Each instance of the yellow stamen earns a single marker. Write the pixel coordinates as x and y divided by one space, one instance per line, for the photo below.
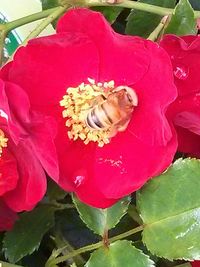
79 104
3 141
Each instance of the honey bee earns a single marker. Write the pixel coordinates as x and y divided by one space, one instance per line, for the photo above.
113 112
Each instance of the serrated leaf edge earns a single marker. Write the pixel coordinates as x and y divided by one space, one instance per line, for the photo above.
166 257
82 217
130 243
177 162
12 259
104 216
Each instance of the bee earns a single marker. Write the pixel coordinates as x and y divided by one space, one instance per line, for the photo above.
112 112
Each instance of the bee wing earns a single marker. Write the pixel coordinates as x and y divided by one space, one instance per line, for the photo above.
95 101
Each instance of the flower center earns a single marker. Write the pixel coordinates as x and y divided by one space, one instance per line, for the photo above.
97 111
3 141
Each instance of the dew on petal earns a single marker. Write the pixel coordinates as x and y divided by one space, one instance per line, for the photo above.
181 72
114 163
79 180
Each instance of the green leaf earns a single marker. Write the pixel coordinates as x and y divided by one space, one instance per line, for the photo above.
46 4
110 13
195 4
54 192
28 232
182 21
120 253
73 229
100 220
170 208
143 23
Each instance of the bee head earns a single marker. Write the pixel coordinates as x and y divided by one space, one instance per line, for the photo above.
126 96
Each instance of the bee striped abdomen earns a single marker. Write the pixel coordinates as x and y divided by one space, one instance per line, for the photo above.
97 118
93 120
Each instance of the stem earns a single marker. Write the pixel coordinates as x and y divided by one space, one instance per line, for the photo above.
156 32
162 11
132 212
2 41
134 5
128 233
60 242
197 14
64 206
56 13
52 262
73 254
25 20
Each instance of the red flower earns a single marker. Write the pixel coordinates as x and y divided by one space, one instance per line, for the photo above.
22 136
185 56
195 264
133 79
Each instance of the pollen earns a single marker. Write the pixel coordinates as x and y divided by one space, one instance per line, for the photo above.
3 141
77 102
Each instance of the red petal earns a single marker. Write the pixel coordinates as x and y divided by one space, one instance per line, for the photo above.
7 217
123 59
31 186
120 168
71 156
185 58
115 170
23 123
127 163
195 264
4 71
14 127
188 142
44 146
47 66
91 195
8 172
185 112
149 123
76 169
